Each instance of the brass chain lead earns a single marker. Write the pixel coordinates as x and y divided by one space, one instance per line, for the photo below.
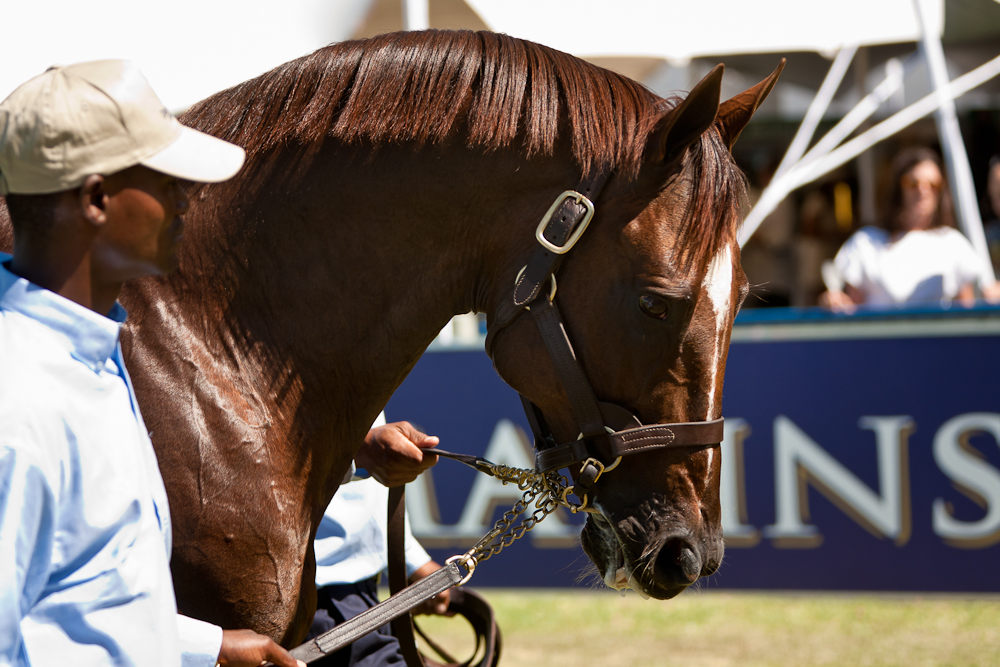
541 490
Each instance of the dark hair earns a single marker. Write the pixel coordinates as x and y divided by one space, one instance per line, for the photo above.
906 160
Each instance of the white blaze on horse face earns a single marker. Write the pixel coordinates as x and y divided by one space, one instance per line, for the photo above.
719 287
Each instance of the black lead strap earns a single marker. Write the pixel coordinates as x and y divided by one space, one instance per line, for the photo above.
393 609
384 612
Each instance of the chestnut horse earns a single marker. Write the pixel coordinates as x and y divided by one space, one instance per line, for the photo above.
392 183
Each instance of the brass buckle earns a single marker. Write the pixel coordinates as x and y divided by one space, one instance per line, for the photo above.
601 469
577 233
584 505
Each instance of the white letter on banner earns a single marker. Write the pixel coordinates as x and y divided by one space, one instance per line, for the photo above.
799 460
732 491
973 476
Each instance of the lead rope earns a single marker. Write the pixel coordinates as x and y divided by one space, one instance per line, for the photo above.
544 491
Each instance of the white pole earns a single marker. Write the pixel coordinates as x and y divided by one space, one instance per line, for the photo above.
867 205
806 172
956 160
861 112
820 103
416 15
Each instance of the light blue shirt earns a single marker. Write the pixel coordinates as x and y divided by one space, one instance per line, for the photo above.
351 539
351 543
84 522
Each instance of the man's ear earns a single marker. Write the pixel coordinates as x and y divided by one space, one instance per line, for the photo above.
93 200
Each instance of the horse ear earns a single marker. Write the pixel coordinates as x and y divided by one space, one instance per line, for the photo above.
735 113
683 124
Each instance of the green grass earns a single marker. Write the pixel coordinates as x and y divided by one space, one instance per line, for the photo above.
583 628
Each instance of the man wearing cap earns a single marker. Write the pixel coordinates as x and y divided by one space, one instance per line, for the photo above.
91 165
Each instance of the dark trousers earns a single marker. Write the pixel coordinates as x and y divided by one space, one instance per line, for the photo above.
338 603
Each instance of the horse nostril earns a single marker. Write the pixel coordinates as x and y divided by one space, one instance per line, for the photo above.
678 562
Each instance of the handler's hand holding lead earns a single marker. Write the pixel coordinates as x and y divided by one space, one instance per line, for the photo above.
246 648
394 453
440 602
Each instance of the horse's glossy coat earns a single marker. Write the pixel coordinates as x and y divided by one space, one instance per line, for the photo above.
391 184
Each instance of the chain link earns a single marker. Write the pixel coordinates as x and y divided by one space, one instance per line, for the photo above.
541 490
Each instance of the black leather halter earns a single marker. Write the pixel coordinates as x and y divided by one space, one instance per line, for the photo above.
607 432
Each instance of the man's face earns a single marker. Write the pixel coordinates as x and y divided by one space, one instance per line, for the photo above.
143 224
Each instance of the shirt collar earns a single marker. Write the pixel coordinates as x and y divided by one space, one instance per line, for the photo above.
90 337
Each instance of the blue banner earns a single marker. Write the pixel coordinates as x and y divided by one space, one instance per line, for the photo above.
860 454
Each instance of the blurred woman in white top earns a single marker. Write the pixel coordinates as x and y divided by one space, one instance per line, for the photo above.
918 258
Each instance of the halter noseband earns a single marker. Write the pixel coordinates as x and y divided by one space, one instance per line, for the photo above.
607 432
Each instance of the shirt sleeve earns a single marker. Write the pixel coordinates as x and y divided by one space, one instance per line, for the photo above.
200 642
849 260
27 533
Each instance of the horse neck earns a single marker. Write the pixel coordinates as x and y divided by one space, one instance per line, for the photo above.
348 281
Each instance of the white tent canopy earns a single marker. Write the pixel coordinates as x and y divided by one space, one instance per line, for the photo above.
679 31
188 49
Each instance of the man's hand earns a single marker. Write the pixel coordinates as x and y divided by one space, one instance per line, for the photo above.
838 302
394 453
246 648
991 292
437 604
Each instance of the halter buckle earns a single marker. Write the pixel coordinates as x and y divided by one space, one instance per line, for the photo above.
577 233
601 468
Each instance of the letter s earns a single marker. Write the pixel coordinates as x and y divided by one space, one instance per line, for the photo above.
972 475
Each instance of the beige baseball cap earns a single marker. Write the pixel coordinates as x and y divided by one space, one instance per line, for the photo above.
99 118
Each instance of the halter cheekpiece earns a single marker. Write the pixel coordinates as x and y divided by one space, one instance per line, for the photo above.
607 431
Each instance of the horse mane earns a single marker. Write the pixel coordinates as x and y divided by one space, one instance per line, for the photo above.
418 86
423 87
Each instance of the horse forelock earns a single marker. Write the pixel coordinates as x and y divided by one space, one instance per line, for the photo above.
713 215
424 87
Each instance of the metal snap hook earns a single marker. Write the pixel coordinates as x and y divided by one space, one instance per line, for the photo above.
468 561
564 500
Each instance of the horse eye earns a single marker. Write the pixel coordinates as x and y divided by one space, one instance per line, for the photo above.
654 306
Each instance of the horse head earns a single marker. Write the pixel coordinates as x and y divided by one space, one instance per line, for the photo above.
636 320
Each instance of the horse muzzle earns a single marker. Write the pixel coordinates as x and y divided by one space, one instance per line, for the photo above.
659 566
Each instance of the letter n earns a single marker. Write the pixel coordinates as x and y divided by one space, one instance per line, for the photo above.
799 461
